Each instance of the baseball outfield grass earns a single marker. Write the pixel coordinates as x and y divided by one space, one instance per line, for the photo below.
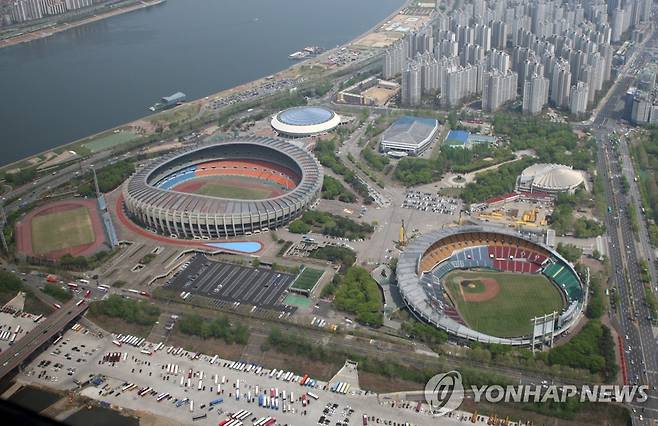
510 303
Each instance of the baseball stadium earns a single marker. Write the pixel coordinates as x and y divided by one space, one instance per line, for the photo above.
223 189
487 285
298 122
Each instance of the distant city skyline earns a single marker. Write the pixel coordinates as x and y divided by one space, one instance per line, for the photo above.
541 51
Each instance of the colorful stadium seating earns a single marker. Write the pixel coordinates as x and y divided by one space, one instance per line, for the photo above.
180 177
564 277
253 168
494 251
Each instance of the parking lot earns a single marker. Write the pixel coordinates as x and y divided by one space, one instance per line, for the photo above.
428 202
182 386
14 325
233 285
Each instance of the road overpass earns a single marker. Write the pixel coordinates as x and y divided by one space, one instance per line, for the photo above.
39 337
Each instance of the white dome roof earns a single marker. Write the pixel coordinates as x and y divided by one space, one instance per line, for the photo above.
552 177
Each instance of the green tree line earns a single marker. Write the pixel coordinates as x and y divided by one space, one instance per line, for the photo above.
219 328
133 311
330 224
332 189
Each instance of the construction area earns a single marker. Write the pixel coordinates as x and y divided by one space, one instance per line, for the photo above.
517 213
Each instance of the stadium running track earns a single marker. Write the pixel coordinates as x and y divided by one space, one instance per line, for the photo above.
24 229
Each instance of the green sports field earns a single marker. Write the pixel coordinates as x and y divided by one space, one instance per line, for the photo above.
111 140
60 230
307 279
225 190
507 313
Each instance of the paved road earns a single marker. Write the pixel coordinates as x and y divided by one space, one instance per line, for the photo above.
639 343
41 334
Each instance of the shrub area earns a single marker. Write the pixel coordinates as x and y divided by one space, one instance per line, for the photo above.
296 345
593 348
10 285
357 293
413 171
569 252
552 142
330 224
645 154
109 177
219 328
496 182
562 218
53 290
129 310
332 189
21 177
325 151
341 255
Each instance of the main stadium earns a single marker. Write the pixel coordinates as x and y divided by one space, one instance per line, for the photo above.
484 284
223 189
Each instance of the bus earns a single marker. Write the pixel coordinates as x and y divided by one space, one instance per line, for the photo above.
81 281
312 395
73 286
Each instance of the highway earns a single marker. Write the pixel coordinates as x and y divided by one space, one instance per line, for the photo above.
41 335
639 345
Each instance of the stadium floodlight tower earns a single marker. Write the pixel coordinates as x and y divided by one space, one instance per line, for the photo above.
543 330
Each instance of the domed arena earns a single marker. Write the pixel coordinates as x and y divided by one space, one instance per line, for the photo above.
550 178
305 121
487 285
228 188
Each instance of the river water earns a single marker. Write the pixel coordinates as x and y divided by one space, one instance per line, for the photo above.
100 75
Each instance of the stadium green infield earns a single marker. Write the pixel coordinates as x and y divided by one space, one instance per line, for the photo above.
61 230
307 279
223 190
502 303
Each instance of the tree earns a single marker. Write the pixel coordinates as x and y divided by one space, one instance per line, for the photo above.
299 227
569 252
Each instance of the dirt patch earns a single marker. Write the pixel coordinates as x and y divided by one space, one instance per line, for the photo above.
206 346
491 289
117 325
381 384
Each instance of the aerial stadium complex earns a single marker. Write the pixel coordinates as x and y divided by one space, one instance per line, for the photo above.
222 189
487 285
305 121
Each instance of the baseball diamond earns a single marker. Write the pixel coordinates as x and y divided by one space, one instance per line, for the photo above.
501 303
486 284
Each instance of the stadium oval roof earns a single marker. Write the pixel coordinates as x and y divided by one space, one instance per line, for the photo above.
140 186
305 121
552 177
